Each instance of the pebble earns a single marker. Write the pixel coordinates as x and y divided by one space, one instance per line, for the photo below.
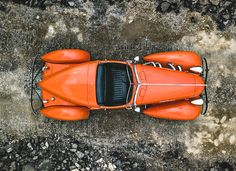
77 165
111 167
223 119
165 6
214 2
46 144
74 145
71 3
216 142
9 150
73 150
79 154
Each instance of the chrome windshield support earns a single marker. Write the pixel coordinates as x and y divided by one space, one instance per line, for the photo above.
137 89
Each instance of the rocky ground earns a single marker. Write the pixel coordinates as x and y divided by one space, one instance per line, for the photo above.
117 140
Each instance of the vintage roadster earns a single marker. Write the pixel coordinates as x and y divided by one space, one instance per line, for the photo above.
168 85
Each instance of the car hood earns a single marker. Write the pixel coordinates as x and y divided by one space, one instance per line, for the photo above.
75 84
160 84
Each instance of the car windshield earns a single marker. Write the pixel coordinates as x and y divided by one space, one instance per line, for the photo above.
114 84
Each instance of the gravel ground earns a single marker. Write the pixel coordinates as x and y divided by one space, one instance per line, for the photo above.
117 140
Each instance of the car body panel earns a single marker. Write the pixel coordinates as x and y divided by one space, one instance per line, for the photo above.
71 83
162 84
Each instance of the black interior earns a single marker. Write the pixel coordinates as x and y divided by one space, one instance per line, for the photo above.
112 84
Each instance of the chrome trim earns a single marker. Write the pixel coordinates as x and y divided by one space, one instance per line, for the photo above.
147 63
136 74
136 94
138 86
150 84
171 65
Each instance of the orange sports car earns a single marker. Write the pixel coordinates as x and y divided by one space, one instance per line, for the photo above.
168 85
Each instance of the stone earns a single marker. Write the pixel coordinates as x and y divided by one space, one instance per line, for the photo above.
79 154
71 3
35 157
9 150
165 6
74 145
214 2
111 167
46 144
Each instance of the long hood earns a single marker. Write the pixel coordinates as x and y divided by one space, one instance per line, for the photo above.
75 84
160 84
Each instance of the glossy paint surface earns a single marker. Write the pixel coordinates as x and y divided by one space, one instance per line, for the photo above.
67 56
161 84
66 112
176 110
183 58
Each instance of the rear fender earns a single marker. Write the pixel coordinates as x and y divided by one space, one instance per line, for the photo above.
177 110
66 56
183 58
66 113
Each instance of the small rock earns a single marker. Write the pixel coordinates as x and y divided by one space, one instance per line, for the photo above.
29 146
46 144
73 150
165 6
216 142
71 3
111 167
35 157
100 160
223 151
74 145
79 154
77 165
9 150
37 17
223 119
214 2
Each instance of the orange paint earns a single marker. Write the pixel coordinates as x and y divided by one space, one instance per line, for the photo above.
176 110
